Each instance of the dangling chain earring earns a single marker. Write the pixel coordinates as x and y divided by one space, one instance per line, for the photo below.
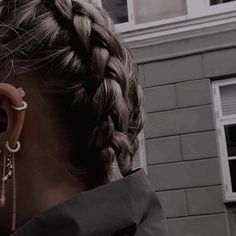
9 171
3 180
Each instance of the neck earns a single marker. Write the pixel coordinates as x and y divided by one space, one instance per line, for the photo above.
42 178
34 199
44 188
39 187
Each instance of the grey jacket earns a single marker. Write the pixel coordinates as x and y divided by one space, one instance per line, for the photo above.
126 207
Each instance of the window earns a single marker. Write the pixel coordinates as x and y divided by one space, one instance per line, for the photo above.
155 10
121 11
118 10
215 2
224 94
131 15
209 7
128 14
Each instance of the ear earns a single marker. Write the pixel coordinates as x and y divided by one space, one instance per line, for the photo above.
12 104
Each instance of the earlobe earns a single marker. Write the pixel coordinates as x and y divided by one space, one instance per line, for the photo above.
13 105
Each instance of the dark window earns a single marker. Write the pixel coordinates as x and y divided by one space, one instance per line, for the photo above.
228 99
232 167
118 10
230 135
215 2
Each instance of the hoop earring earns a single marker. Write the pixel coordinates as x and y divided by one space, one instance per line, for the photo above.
15 150
21 108
8 172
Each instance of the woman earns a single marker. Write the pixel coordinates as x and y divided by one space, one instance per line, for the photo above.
70 115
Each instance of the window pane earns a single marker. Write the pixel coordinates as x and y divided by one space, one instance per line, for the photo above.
230 135
232 168
215 2
118 10
152 10
228 99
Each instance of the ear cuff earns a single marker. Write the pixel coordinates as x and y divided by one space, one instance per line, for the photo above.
21 108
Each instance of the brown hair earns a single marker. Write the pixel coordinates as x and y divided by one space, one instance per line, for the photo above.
73 43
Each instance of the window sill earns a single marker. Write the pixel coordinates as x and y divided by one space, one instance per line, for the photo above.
177 28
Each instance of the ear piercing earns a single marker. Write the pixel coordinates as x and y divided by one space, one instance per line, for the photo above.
21 108
8 167
15 149
21 92
3 181
8 172
24 104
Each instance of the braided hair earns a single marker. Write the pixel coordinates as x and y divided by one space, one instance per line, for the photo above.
73 43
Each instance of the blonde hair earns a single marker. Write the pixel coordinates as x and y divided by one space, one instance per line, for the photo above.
73 43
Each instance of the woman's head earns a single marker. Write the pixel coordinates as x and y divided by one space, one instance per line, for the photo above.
70 61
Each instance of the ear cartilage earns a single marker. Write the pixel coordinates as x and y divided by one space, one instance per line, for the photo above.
23 107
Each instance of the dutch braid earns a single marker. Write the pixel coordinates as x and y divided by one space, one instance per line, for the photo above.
80 37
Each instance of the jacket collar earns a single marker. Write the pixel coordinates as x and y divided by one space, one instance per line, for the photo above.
128 205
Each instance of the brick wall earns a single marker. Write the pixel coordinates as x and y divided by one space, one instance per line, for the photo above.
180 139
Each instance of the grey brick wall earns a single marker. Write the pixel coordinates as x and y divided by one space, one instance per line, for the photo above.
199 145
204 225
180 137
180 121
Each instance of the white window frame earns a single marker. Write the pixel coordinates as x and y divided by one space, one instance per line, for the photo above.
221 120
196 9
207 9
140 160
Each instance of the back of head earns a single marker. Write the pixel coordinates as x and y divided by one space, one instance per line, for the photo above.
74 48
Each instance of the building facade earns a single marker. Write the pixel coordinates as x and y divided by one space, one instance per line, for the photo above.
186 55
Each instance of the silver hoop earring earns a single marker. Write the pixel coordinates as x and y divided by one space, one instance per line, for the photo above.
21 108
11 150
